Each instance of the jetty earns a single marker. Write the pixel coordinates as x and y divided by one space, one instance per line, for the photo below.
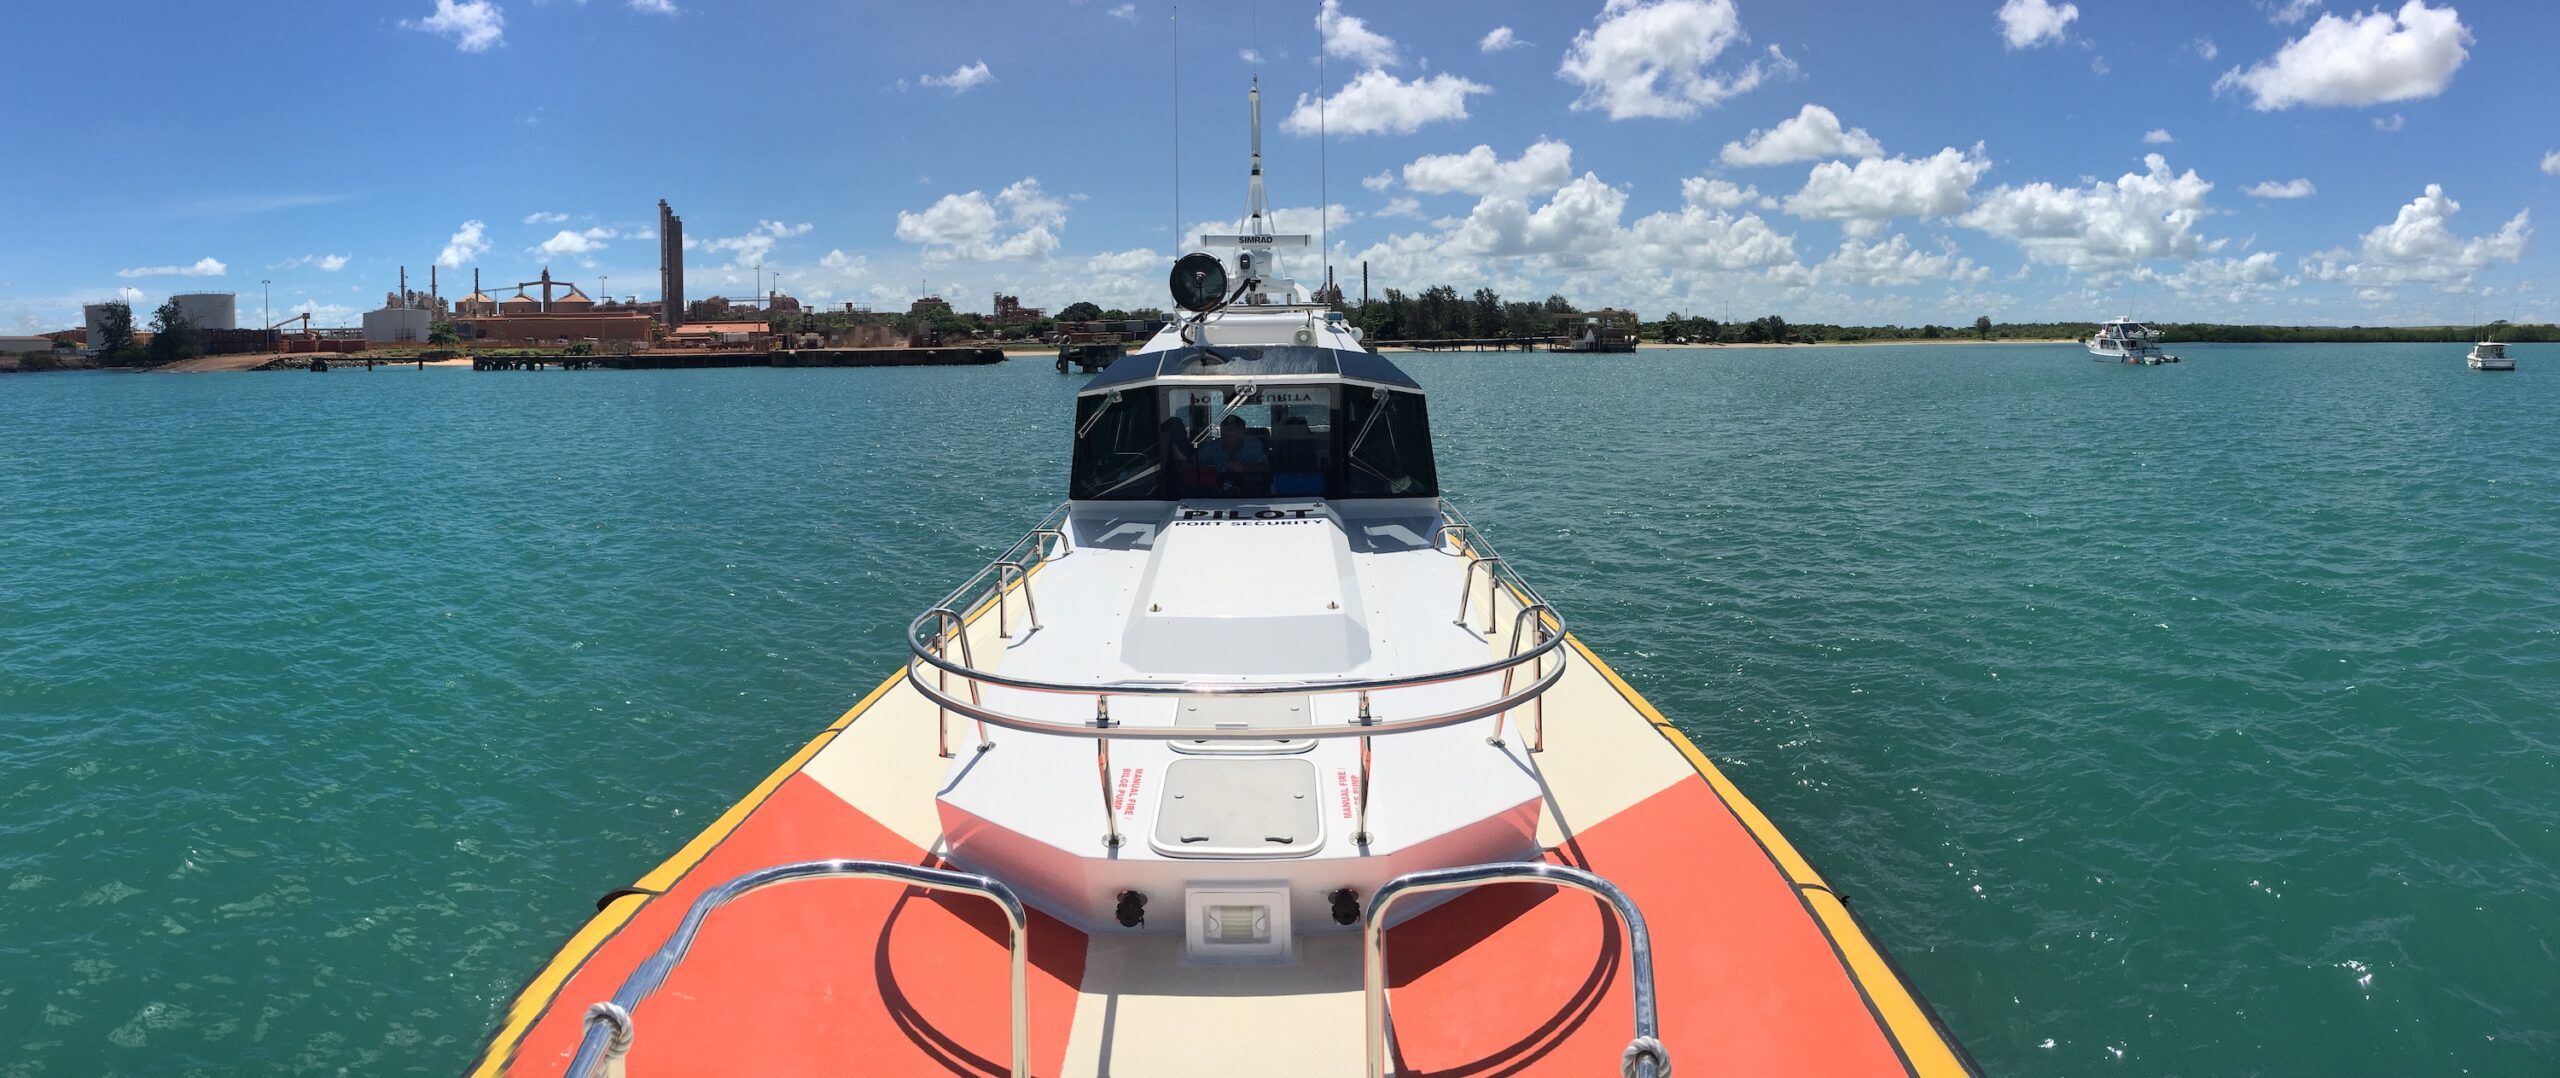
688 360
1474 344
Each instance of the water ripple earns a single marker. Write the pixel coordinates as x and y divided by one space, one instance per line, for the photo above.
2182 720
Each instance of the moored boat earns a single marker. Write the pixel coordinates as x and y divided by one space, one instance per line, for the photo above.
2490 356
1200 776
2124 340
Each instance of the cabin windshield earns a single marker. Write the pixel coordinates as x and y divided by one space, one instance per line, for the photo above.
1252 441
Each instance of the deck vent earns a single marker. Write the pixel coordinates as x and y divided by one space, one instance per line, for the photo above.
1346 907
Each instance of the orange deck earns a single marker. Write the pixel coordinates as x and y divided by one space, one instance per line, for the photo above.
1759 969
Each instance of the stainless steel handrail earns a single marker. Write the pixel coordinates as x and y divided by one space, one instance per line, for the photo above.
1645 1057
1537 707
610 1028
942 716
922 651
1028 725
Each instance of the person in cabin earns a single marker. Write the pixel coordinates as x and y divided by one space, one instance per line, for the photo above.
1184 475
1238 456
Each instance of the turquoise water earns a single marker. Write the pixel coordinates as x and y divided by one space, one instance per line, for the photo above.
2181 720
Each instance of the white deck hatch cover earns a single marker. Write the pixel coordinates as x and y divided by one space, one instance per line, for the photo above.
1244 713
1232 807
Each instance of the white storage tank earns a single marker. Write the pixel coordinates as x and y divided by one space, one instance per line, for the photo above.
95 316
210 310
397 324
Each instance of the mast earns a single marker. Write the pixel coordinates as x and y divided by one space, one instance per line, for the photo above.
1254 260
1253 190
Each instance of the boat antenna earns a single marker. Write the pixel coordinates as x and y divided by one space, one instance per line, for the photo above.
1177 130
1324 206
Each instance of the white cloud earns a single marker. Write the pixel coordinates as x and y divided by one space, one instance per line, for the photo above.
1892 263
2551 163
2229 280
1812 134
203 267
1379 103
961 80
2393 122
1250 56
2105 225
1349 37
574 243
1648 58
971 227
1543 167
2025 24
2419 245
1706 237
2294 188
542 217
323 263
1884 187
1401 206
756 243
1125 12
2206 49
468 242
1133 260
2158 136
2372 58
474 25
1718 194
1581 218
1381 181
838 260
1498 39
2288 12
654 7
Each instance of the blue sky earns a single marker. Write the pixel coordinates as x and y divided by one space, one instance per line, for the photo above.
2288 161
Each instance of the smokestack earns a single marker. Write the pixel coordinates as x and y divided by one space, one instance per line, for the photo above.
431 286
404 286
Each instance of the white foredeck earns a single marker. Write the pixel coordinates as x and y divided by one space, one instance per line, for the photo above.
1030 808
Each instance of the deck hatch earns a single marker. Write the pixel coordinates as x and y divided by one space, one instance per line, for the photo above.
1233 807
1244 712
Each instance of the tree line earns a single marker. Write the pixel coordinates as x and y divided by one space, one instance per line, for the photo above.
1440 313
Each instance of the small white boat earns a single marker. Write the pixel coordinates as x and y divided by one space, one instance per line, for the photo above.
2127 341
2491 356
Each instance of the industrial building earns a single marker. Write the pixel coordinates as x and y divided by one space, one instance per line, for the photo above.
561 313
405 316
1009 311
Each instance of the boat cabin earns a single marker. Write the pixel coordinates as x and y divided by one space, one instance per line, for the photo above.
1252 422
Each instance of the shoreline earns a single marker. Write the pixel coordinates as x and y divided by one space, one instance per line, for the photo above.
1657 346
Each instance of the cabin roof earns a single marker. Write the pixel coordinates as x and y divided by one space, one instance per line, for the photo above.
1243 362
